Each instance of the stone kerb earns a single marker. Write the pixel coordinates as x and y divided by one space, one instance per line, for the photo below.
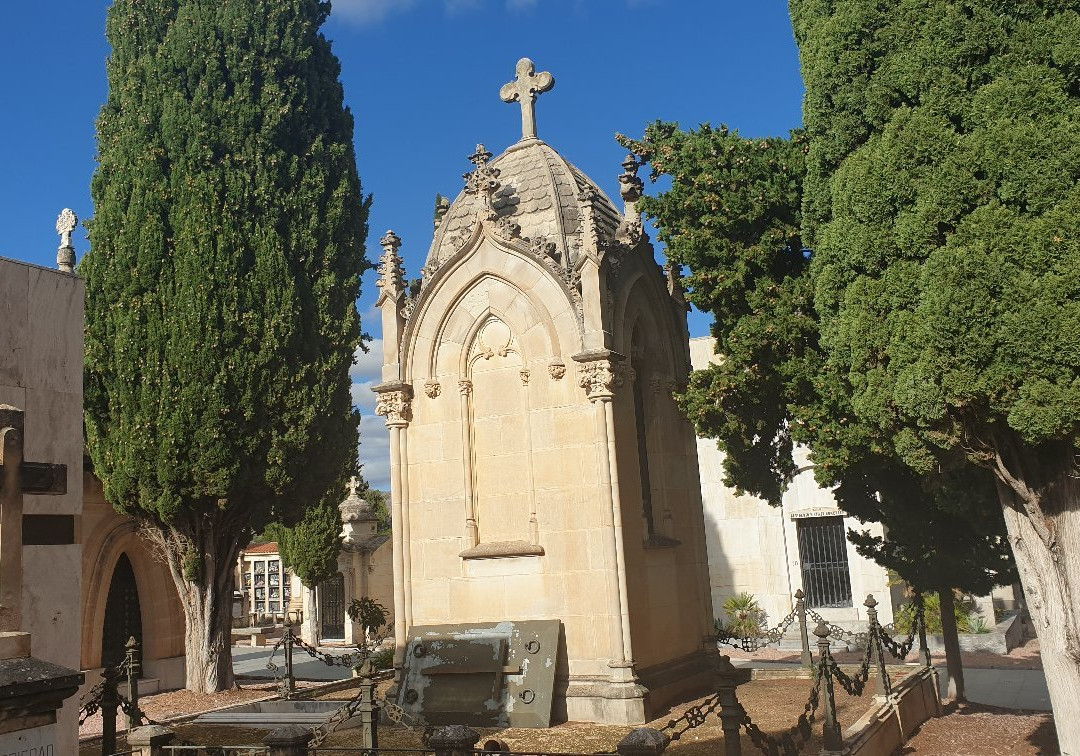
887 726
149 740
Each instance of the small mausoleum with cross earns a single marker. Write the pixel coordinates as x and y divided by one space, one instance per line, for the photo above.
540 468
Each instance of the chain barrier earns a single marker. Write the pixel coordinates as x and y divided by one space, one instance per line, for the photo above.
855 684
751 643
91 702
900 650
792 742
695 716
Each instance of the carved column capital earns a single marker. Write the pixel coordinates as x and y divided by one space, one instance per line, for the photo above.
600 379
394 402
465 387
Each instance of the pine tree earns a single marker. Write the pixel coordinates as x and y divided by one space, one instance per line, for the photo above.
226 250
942 202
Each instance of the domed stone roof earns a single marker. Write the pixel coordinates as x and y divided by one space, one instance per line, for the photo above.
354 508
547 197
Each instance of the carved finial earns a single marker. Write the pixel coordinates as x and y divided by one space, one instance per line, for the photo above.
354 486
524 89
391 269
483 180
442 207
630 186
65 226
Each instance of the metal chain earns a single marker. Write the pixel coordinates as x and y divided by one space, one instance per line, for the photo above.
792 742
91 702
694 716
133 711
754 642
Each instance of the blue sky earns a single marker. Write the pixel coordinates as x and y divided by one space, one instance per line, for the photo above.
422 79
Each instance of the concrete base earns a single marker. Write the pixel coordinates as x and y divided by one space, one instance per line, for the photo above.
14 645
629 698
599 699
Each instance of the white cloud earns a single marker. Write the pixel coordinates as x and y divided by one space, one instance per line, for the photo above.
369 12
372 12
375 452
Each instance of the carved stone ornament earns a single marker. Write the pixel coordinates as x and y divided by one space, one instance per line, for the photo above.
525 87
395 406
600 379
556 370
524 377
465 387
483 180
432 388
65 226
391 267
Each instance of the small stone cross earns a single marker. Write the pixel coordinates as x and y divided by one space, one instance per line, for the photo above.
17 478
524 89
354 484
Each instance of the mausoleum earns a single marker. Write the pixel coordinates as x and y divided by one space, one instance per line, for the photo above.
540 468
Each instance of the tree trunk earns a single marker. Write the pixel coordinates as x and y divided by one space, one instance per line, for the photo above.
1043 523
206 599
953 663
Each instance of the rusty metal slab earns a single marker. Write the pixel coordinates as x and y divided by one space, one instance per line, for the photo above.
481 675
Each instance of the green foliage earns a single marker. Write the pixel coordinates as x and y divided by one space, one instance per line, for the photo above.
369 613
968 617
226 250
310 548
943 206
383 658
745 618
733 215
380 502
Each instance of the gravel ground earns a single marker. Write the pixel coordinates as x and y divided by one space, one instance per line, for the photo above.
978 730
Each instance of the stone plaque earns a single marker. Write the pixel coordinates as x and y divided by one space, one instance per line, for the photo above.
37 741
481 675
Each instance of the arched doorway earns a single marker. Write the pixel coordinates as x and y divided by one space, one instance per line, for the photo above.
332 608
123 617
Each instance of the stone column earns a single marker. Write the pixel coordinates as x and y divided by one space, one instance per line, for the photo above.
600 375
394 399
472 532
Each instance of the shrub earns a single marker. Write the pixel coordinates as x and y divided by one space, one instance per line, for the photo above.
746 619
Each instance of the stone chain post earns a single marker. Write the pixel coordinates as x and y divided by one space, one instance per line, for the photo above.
642 741
833 740
131 661
291 740
450 740
800 612
368 710
149 740
290 681
728 678
110 700
884 684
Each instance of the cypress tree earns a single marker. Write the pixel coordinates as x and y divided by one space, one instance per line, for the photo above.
226 250
943 206
733 215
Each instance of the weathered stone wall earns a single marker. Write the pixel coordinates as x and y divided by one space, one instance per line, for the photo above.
41 372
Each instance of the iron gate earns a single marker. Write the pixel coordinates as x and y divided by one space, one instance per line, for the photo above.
123 616
332 607
823 556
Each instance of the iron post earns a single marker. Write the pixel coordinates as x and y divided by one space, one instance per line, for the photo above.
728 678
131 662
832 739
800 612
109 702
368 709
884 684
290 681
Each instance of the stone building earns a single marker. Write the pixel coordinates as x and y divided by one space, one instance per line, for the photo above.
41 394
539 466
771 552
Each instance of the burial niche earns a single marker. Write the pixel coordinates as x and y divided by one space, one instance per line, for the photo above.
123 616
497 416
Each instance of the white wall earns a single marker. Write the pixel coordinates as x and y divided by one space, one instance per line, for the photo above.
753 547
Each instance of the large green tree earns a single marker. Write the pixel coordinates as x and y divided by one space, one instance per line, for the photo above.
733 215
226 249
943 207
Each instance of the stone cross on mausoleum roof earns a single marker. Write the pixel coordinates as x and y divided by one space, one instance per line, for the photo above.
524 89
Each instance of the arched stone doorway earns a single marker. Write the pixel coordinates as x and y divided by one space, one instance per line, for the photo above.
332 608
123 615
